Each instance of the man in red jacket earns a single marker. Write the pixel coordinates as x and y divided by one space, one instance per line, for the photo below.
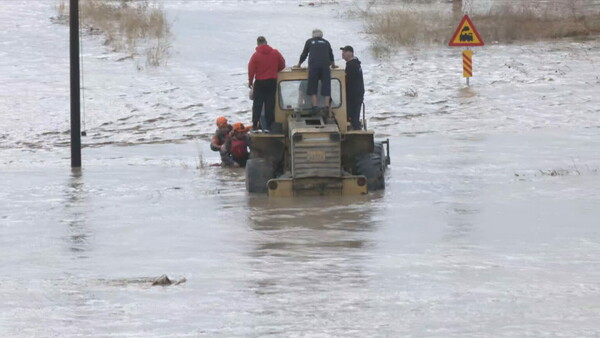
262 78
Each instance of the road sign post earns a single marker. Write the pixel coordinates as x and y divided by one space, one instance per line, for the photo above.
466 35
467 64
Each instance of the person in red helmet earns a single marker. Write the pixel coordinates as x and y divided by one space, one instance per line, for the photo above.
220 136
235 150
262 78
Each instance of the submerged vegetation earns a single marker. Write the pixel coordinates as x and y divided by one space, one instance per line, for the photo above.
413 22
137 28
572 170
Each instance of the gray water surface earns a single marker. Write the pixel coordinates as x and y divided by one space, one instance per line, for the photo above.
455 246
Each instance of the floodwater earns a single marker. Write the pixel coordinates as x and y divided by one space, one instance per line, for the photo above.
489 224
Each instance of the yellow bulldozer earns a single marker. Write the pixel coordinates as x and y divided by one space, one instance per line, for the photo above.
308 153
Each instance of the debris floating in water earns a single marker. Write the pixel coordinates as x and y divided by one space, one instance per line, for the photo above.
165 281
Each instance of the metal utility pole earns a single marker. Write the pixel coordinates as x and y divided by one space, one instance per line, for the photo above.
75 98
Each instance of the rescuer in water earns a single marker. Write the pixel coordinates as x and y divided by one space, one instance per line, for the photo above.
234 152
221 134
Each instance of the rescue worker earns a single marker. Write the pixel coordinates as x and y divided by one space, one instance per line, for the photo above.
262 79
221 134
355 86
235 150
320 57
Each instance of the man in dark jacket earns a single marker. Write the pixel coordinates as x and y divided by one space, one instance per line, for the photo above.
262 78
355 86
320 57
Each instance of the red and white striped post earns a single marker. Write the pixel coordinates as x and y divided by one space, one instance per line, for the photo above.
467 64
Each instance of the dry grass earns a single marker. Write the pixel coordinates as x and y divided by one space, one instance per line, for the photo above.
533 21
406 27
420 22
127 25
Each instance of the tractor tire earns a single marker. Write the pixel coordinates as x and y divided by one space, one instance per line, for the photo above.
370 166
258 172
380 150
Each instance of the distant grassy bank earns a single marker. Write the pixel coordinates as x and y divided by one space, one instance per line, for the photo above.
127 25
412 23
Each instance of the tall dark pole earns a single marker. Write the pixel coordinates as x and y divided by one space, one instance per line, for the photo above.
75 98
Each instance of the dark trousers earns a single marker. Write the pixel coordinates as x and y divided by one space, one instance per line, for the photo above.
316 73
354 106
264 95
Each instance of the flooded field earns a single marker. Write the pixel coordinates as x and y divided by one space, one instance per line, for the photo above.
488 225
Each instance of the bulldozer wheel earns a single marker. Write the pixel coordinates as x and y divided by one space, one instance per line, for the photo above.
258 172
369 165
380 150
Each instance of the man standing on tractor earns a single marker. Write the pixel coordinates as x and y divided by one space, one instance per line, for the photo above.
355 86
234 152
262 79
320 57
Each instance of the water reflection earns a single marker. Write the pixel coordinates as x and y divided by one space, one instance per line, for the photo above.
347 213
75 216
466 93
307 249
463 199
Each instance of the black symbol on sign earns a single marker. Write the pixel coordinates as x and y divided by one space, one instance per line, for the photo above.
466 36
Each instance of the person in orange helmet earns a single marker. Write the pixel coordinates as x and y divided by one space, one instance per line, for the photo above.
220 136
235 150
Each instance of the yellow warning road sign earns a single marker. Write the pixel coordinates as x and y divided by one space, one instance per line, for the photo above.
466 34
467 63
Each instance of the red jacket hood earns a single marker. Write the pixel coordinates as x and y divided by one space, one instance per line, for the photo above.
264 64
264 49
